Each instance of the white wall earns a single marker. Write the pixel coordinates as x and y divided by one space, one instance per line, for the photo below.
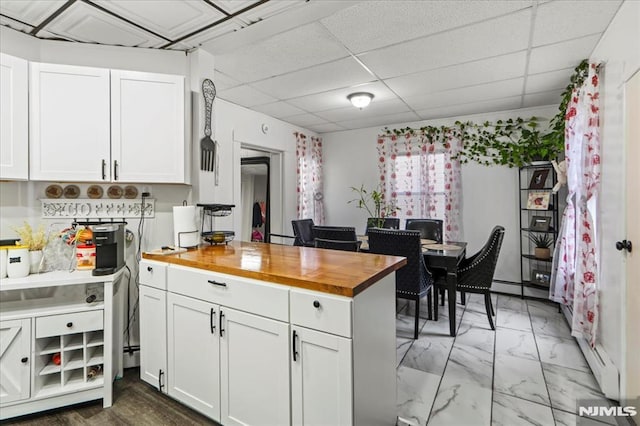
619 49
490 194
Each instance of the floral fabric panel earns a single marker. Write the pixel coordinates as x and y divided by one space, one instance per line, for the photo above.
310 178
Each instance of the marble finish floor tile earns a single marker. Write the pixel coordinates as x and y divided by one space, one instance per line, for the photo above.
429 353
562 352
477 319
521 378
512 303
567 419
549 307
549 323
516 343
416 391
402 347
405 325
510 411
469 365
566 386
476 337
516 320
461 405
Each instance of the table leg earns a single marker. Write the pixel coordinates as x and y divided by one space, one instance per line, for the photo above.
451 295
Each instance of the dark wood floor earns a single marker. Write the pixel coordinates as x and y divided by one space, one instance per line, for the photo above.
135 403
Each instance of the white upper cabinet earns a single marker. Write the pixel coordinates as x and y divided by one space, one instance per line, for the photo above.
70 128
95 124
14 113
147 127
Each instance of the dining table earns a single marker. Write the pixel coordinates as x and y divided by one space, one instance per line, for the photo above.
443 257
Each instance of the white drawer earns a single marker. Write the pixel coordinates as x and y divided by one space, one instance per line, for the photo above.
245 294
153 274
57 325
322 312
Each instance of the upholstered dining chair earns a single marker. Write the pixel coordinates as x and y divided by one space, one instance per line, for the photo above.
340 233
430 229
338 244
413 281
382 222
475 274
303 232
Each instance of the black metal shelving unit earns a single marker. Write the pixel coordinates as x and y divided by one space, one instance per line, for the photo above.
532 269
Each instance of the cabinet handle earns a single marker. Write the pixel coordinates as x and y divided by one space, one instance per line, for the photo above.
160 385
293 344
221 329
115 169
212 321
217 283
104 169
24 360
69 324
316 304
149 268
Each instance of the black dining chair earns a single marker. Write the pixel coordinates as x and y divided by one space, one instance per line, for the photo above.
475 274
303 232
413 281
340 233
430 229
382 222
338 244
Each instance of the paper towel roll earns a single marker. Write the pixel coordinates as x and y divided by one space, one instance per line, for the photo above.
185 224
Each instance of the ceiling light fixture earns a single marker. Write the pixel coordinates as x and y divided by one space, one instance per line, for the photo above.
360 99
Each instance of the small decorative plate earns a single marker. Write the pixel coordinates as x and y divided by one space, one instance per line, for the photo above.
71 191
53 191
130 191
95 191
115 191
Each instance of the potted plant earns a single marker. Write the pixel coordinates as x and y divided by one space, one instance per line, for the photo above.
542 244
36 240
375 205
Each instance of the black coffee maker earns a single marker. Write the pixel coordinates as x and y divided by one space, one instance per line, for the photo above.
109 241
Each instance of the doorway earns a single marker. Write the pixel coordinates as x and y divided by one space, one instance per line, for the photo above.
255 195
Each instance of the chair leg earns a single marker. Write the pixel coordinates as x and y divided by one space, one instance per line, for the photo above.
429 303
442 296
493 312
415 331
487 305
435 304
463 298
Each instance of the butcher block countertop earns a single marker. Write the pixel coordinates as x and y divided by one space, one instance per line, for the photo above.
329 271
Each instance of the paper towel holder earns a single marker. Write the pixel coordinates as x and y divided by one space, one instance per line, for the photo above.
186 232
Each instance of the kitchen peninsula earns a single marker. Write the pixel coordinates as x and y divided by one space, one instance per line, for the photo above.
253 333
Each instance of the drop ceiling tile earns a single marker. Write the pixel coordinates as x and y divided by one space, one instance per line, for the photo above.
223 81
326 128
13 24
305 120
338 98
382 121
218 30
232 6
567 54
490 38
399 21
479 93
376 108
30 12
341 73
245 95
269 9
169 18
564 20
548 81
290 51
512 102
553 97
467 74
87 24
279 109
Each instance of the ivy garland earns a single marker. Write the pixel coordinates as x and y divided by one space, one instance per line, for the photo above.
513 142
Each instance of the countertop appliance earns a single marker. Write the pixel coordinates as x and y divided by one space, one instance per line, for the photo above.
109 241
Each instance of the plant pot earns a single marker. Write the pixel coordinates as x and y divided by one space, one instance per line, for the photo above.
35 258
542 252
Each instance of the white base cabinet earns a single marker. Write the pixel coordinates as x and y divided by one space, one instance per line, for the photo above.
14 118
15 356
153 340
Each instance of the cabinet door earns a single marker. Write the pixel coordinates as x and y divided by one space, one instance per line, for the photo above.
15 344
153 337
254 365
194 357
69 123
14 124
147 113
321 378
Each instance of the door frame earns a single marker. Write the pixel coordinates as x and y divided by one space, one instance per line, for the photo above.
267 162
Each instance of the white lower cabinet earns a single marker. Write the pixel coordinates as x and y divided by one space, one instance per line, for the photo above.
153 337
15 348
254 367
321 378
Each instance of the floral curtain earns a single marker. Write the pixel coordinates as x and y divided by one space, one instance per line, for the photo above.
575 281
310 180
412 179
